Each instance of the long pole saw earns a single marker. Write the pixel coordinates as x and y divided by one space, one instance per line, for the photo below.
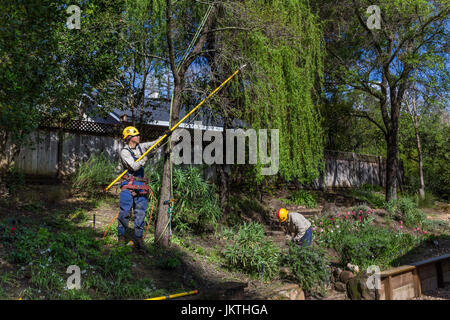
175 126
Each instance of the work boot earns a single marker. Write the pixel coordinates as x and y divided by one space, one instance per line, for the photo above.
122 240
139 244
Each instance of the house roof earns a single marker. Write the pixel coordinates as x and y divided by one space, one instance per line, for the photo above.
156 112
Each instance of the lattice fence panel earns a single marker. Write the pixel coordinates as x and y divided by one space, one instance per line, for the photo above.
148 132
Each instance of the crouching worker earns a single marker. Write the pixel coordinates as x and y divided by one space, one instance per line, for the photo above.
134 186
297 226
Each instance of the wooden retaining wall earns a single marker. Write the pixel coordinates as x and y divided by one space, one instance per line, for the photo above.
407 282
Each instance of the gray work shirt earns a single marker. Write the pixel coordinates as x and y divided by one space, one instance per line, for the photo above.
127 159
297 225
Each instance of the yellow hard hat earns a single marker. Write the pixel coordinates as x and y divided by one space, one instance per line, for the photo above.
130 131
282 214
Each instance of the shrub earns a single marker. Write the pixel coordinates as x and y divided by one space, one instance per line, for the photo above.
309 266
14 180
303 197
373 198
251 248
406 210
428 202
362 243
196 205
373 246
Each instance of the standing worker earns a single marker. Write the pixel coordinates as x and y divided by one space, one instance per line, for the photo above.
134 187
298 227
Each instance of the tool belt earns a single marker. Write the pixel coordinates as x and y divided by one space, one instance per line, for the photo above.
136 190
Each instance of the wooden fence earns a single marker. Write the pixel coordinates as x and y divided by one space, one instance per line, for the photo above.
57 149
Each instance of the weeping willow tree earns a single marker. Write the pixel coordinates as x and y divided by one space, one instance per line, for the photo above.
281 42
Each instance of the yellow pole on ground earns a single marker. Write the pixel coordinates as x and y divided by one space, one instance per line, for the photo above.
174 295
175 126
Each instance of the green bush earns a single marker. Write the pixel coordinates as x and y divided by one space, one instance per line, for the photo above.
196 206
406 210
428 202
250 249
373 246
309 266
374 198
304 198
15 180
362 243
98 170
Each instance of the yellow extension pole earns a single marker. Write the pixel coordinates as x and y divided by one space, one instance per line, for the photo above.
174 295
175 126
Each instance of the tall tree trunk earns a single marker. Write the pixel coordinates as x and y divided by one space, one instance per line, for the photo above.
392 163
3 160
415 120
162 235
224 178
419 152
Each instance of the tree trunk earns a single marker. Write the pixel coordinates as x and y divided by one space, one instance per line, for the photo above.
415 120
419 152
3 155
391 166
162 235
3 160
224 179
223 183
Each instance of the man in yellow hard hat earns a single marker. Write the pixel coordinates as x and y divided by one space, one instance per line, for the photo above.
134 186
297 226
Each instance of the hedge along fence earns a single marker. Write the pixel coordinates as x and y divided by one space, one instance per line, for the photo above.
57 150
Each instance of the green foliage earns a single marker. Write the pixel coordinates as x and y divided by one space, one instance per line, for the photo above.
169 262
45 69
250 248
303 197
45 254
375 199
98 170
309 265
196 206
435 138
15 180
360 242
284 56
405 209
427 202
242 205
434 132
373 246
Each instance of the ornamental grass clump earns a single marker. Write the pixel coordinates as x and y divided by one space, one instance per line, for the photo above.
251 251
